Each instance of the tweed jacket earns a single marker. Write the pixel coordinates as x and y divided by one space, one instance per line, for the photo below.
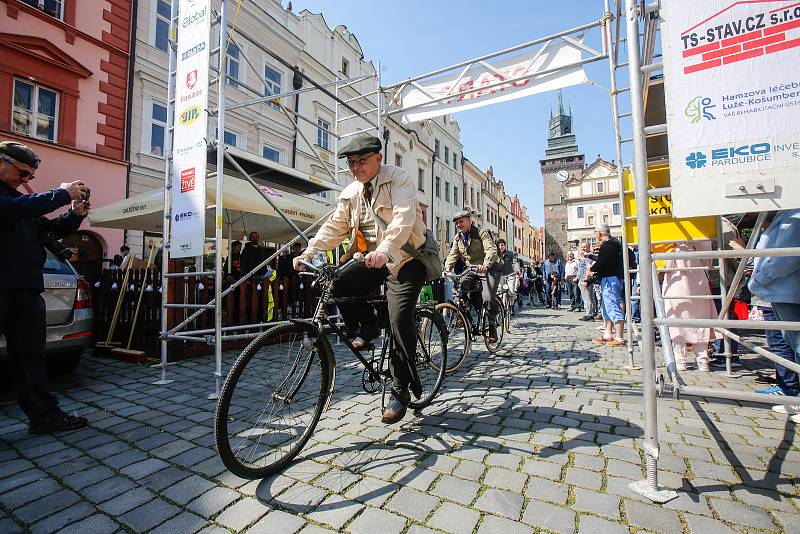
395 203
481 249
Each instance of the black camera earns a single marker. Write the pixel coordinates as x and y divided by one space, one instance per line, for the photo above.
87 194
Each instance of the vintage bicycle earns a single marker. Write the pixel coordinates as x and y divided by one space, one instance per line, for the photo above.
465 321
278 388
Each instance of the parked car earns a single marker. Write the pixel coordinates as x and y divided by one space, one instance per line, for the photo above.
70 317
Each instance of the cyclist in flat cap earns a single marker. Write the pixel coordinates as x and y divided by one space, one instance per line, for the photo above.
379 213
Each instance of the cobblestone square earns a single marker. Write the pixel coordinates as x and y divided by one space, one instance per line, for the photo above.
545 436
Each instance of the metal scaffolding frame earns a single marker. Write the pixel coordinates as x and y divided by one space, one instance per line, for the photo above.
228 36
640 35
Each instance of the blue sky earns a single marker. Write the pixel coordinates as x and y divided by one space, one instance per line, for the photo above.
418 36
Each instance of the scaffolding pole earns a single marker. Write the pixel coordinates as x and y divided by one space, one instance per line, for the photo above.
648 487
165 240
612 67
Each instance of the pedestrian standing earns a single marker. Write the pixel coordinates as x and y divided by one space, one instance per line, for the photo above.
551 272
609 269
22 256
684 279
777 280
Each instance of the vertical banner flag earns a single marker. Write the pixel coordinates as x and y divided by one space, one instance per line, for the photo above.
733 104
187 235
482 83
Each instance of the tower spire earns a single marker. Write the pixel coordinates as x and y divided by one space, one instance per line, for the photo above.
560 104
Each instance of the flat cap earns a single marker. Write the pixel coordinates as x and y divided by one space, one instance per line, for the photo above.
19 152
462 213
364 144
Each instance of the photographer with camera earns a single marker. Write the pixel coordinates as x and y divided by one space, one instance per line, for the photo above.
23 234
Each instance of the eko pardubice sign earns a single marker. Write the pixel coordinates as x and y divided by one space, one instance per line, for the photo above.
733 104
187 224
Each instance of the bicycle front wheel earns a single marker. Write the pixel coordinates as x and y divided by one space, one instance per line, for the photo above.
430 360
272 400
459 338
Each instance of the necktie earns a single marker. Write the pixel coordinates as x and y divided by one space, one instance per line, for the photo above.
368 192
465 238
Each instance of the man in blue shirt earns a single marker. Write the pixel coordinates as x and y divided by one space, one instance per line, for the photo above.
777 280
553 272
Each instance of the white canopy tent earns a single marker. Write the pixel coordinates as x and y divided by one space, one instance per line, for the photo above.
244 211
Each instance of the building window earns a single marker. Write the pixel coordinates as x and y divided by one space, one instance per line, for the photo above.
599 187
615 208
272 154
398 160
345 67
447 155
455 195
35 111
438 187
563 227
157 128
438 223
229 138
273 84
421 180
605 218
161 40
436 148
323 134
232 65
590 220
448 229
580 212
54 8
446 192
455 160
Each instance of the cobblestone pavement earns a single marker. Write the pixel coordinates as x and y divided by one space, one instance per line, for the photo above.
543 437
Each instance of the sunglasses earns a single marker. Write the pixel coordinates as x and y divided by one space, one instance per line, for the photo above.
360 162
22 172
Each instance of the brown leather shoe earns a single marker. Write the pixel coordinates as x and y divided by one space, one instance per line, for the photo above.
397 406
614 343
600 340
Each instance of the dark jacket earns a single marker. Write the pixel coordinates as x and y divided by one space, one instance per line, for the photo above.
252 256
609 260
24 230
481 249
505 263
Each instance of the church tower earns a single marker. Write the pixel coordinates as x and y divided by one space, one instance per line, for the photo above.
560 164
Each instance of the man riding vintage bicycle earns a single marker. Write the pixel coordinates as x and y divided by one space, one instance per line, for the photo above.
379 213
477 248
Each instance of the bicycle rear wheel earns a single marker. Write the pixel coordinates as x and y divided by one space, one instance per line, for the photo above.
272 399
499 321
459 338
430 360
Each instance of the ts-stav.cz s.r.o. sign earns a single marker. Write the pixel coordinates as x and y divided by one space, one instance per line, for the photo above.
733 104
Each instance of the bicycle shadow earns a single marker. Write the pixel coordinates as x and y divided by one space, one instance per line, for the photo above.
370 471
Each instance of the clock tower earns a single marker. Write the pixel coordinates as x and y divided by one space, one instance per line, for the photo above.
561 163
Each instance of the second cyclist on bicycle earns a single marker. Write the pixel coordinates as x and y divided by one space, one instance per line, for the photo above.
478 249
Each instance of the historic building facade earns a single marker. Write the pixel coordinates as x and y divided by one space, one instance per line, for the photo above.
64 92
592 199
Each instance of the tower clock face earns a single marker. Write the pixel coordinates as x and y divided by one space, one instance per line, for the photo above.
562 176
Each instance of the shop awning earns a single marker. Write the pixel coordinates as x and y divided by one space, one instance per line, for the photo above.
266 170
244 211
